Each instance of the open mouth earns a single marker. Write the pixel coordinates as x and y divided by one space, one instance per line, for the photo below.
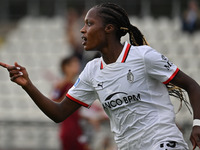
84 40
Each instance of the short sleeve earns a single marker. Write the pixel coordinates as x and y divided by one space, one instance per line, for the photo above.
159 67
83 92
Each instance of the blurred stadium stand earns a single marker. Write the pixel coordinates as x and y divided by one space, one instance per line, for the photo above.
39 44
32 32
15 9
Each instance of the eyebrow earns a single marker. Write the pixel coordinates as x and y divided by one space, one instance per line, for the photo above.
87 20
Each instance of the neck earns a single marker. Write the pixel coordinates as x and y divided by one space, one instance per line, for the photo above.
111 52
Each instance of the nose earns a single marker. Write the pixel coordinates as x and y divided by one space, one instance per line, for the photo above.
83 30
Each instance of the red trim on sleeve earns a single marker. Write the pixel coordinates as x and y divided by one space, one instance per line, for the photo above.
73 99
101 67
172 76
126 53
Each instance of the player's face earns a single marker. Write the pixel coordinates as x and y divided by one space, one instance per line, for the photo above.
93 32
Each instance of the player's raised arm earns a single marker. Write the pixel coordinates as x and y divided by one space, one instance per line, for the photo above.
193 90
56 111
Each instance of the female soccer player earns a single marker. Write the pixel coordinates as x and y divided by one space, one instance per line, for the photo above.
129 80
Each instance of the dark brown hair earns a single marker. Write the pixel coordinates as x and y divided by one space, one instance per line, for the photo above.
114 14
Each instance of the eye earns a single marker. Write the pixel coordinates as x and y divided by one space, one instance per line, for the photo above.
89 23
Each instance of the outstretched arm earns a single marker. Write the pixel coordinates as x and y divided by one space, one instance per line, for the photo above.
56 111
193 90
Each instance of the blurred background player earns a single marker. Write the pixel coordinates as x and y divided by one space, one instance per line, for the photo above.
191 17
71 134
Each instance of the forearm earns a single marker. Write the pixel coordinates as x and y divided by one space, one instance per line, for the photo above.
194 96
193 89
50 108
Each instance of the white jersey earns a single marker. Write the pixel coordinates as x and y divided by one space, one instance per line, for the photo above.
133 94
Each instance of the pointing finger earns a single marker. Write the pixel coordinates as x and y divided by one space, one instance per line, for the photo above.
4 65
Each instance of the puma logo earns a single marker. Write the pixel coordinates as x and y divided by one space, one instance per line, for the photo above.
100 84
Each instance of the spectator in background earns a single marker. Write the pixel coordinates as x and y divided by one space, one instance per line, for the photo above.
191 17
71 134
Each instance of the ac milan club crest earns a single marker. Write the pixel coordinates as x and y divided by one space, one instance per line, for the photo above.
130 76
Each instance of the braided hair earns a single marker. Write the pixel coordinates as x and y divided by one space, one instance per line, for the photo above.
113 14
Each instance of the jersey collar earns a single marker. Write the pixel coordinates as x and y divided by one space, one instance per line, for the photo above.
122 57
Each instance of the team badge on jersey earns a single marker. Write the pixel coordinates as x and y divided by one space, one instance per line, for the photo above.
130 76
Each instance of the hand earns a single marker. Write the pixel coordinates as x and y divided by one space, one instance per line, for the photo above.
195 137
18 74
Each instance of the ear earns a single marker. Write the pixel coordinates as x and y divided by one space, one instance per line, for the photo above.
109 28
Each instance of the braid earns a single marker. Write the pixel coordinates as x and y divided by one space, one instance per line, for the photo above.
136 37
177 92
114 14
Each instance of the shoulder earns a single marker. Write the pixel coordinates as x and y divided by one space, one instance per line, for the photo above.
145 54
141 51
91 67
93 64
